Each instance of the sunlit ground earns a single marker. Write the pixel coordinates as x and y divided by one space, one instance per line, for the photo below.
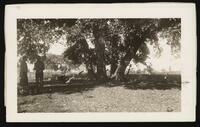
103 99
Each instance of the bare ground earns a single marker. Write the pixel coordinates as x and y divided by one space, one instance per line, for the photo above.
104 99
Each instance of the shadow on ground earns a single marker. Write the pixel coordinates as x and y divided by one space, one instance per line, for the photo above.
152 85
144 82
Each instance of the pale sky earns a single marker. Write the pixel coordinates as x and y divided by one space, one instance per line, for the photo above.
166 61
57 49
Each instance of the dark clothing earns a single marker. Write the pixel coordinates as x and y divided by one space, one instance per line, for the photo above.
23 74
39 67
39 78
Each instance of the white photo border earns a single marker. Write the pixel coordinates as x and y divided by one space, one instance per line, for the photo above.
185 11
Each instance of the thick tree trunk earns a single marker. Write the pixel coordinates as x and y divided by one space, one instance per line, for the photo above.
122 65
100 50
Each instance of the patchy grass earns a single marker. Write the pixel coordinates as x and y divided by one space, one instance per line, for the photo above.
104 99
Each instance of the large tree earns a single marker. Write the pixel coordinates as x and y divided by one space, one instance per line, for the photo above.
140 32
85 31
118 41
98 42
136 34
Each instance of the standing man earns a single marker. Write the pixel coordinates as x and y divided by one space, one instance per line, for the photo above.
39 67
23 74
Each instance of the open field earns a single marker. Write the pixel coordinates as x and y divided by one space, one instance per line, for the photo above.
146 94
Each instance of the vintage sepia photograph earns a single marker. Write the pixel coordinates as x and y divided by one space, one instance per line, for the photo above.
101 63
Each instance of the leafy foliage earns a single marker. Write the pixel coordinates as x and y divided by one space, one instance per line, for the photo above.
171 29
98 42
34 36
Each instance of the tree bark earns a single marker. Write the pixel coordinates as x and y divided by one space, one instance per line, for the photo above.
113 67
128 69
100 51
122 65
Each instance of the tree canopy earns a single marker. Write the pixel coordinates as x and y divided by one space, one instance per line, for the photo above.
99 42
34 36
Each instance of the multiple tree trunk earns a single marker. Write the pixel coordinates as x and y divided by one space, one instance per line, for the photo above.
118 68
